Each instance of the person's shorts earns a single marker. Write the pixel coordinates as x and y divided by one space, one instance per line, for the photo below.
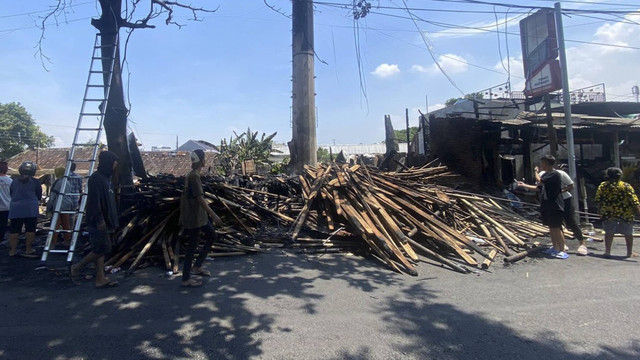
29 225
553 219
618 227
100 241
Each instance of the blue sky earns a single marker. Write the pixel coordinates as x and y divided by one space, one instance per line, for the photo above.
232 70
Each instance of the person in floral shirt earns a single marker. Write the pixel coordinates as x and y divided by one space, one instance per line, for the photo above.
617 204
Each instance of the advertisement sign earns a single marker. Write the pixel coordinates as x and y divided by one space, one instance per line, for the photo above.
547 79
539 53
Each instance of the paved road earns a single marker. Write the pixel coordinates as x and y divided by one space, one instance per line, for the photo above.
285 306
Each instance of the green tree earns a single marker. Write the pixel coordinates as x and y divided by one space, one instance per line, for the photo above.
246 146
18 131
401 135
452 101
323 155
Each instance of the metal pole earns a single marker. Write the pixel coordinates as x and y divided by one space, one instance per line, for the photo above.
566 99
303 96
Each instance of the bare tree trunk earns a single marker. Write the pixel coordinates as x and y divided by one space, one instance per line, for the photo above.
115 121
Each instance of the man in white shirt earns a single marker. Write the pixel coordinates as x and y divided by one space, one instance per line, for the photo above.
5 198
569 211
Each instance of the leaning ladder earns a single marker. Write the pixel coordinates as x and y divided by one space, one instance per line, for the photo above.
89 123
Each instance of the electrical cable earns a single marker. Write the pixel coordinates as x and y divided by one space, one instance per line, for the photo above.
426 43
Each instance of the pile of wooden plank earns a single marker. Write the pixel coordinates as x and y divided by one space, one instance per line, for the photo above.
150 232
401 218
402 214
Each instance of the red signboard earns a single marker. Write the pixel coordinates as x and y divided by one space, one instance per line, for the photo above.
547 79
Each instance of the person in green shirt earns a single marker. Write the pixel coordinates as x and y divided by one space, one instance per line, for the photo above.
617 204
194 218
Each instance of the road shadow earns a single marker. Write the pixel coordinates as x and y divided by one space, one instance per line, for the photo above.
429 329
149 316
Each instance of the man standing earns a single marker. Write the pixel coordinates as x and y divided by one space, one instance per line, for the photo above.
5 198
102 219
617 202
569 212
551 205
193 219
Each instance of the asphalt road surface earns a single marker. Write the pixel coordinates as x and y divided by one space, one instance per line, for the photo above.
284 305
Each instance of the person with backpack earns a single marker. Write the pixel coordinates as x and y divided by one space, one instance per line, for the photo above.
551 205
68 203
26 193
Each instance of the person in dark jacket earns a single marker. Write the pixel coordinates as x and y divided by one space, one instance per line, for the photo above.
101 218
23 209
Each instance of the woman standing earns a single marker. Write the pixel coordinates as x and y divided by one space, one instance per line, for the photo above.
23 210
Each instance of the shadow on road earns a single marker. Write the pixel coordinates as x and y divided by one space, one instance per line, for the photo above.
240 309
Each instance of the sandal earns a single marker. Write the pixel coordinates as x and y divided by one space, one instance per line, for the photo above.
582 250
108 284
201 272
30 255
191 283
561 255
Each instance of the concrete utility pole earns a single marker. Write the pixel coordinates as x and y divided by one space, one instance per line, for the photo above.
303 97
566 99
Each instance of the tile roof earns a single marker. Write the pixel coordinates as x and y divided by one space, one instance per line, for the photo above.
155 162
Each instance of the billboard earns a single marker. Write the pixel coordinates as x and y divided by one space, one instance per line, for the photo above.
540 53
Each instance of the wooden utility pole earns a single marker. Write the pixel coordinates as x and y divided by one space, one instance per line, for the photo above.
303 97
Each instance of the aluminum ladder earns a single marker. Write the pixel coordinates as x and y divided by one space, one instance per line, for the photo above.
96 95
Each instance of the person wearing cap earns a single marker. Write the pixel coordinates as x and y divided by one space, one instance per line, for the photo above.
193 220
569 213
102 219
5 198
26 193
617 203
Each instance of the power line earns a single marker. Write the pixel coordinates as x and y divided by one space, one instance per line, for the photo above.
426 43
43 11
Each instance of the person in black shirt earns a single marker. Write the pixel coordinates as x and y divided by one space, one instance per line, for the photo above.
102 218
551 205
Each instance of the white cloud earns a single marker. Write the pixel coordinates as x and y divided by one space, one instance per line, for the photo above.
436 107
419 68
386 70
617 68
450 63
476 28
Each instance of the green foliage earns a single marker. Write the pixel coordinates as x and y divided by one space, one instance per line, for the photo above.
19 132
281 168
246 146
401 135
452 101
323 155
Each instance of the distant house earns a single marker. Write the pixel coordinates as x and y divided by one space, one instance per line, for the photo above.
192 145
281 150
155 162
